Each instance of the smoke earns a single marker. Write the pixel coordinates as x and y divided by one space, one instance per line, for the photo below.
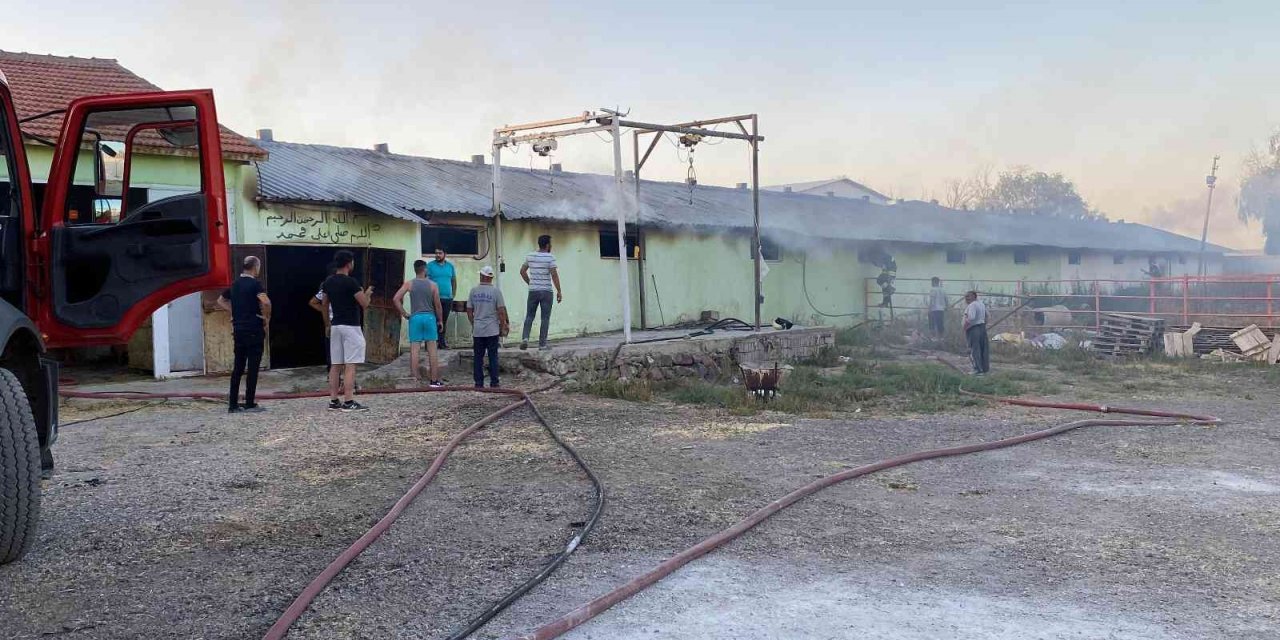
1185 216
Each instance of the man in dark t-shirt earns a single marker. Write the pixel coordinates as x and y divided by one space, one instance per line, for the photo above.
344 297
250 312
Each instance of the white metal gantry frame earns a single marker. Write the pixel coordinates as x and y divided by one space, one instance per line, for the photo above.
612 122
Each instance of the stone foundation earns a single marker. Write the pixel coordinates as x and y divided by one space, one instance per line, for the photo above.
705 357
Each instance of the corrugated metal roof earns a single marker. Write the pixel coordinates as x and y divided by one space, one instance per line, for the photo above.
409 187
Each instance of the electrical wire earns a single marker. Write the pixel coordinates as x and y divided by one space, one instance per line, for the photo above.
62 425
591 609
519 592
804 284
320 582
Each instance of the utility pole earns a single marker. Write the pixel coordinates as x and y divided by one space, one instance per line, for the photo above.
1212 181
623 259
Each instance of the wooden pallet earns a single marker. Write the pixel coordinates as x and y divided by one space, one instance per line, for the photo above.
1121 334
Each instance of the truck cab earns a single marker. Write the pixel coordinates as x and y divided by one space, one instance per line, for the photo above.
89 266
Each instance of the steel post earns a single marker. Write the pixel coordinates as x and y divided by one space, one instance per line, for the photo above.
624 279
755 203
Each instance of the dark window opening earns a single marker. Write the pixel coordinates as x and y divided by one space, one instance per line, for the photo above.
1021 256
770 251
609 244
1182 259
955 256
1117 258
463 241
1073 257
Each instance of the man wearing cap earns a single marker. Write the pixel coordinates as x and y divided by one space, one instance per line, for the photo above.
424 321
487 312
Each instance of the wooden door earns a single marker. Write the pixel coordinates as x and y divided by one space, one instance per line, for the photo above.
384 271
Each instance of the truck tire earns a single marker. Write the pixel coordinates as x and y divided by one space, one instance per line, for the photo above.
19 470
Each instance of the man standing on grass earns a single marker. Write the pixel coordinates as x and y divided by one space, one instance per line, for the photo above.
346 299
250 312
425 325
540 273
487 312
441 272
975 331
937 308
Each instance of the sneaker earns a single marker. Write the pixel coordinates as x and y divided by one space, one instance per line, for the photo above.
479 386
543 347
335 405
524 346
352 405
436 384
235 410
495 385
253 408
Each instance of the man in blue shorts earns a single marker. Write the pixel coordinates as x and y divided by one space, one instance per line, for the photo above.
424 320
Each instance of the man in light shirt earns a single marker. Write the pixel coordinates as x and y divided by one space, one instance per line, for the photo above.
540 273
937 308
975 331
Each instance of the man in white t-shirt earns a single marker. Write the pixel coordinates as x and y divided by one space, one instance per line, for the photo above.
540 273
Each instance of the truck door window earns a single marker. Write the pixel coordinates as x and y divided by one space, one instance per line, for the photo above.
123 152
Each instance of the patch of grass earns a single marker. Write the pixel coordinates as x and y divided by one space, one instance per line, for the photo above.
859 336
827 357
915 387
631 390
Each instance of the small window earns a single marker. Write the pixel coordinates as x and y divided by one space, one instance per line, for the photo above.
1073 257
1117 258
1021 256
1182 259
955 256
770 251
609 244
462 241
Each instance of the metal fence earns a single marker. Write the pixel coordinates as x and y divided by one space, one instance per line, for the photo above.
1214 301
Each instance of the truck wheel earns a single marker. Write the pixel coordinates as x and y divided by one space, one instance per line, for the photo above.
19 470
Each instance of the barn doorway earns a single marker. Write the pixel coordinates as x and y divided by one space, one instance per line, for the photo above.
297 331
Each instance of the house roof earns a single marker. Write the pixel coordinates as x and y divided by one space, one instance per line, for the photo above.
818 184
43 83
413 187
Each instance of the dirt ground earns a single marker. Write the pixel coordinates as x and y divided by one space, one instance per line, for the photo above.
179 521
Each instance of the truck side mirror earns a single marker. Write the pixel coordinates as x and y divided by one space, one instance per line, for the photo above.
108 165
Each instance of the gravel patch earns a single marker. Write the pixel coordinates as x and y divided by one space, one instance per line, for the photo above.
181 521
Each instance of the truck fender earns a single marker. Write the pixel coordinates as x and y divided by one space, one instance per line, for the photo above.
22 354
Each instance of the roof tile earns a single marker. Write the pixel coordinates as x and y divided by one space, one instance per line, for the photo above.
42 83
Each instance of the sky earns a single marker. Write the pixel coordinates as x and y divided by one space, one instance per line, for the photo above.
1130 100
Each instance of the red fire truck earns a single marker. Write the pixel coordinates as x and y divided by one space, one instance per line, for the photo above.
89 267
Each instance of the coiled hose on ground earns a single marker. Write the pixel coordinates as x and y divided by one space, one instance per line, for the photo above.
321 581
597 606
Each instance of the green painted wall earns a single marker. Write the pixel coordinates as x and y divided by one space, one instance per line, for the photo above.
149 171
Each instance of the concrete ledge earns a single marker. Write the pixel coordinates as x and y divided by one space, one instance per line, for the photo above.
593 358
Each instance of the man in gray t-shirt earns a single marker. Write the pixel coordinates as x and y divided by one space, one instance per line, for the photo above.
487 312
975 332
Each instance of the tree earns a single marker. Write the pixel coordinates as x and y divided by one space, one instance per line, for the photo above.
1021 190
967 193
1260 192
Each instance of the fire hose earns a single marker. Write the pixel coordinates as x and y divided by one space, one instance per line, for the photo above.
321 581
591 609
602 603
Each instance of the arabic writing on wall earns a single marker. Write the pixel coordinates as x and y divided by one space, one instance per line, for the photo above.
320 227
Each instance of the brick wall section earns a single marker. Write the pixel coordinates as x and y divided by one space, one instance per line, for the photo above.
707 358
